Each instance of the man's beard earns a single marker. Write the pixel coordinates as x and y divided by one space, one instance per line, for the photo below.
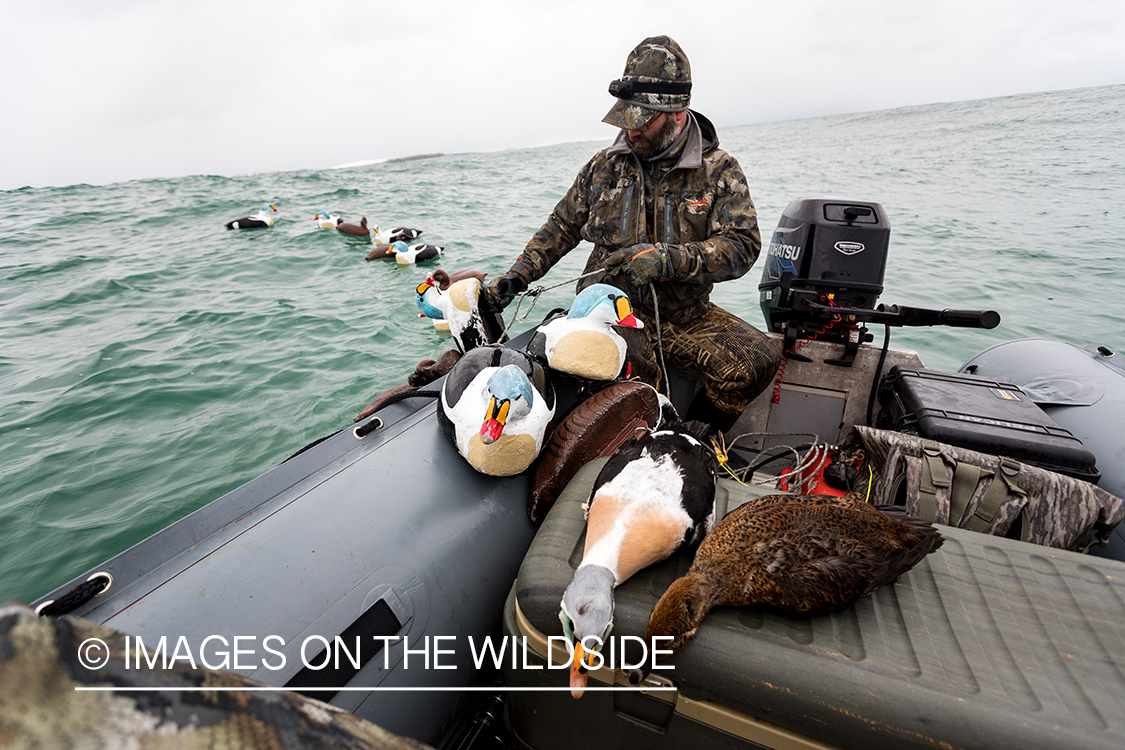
649 145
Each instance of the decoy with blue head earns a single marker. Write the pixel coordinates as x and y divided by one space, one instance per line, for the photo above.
496 407
584 343
453 304
325 220
260 220
656 493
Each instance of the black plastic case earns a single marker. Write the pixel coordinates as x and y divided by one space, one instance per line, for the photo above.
990 416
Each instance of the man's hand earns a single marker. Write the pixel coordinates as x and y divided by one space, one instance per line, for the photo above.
642 264
503 289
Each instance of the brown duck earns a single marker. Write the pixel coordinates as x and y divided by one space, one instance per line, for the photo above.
808 555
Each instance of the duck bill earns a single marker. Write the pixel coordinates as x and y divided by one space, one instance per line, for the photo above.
490 431
494 420
630 321
578 674
625 315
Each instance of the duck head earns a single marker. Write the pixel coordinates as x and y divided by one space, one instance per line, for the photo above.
586 614
678 614
604 303
511 397
426 298
267 209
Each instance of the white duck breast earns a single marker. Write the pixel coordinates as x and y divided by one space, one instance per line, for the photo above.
584 342
644 509
417 253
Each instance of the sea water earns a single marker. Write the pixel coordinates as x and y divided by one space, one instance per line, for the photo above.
152 360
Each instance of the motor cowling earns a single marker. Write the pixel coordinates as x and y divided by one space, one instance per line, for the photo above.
824 252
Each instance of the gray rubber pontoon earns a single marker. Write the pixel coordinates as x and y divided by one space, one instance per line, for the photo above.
391 535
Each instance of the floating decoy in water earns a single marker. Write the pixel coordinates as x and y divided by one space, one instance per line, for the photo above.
398 234
458 305
379 252
356 230
260 220
416 253
584 342
655 494
495 407
804 554
325 220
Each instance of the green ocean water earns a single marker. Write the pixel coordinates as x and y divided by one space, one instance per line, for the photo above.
151 360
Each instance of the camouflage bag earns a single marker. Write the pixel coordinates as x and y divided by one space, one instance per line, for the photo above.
990 494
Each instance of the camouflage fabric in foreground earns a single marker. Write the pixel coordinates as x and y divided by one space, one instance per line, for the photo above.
40 708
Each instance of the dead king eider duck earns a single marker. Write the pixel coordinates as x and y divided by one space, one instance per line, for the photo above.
496 406
804 554
584 342
260 220
653 495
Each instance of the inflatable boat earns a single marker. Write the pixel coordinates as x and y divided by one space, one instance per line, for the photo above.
378 571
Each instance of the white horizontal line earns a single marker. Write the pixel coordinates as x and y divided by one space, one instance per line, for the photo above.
112 689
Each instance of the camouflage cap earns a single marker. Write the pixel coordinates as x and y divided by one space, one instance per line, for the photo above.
657 79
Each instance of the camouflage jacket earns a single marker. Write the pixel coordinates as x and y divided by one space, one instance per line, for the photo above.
702 209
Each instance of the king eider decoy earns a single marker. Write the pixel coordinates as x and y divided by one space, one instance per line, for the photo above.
398 234
416 253
654 494
325 220
260 220
584 342
803 554
458 305
496 405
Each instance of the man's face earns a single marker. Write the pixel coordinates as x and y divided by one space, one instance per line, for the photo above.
653 139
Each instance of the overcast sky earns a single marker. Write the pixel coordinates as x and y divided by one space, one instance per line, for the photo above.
101 91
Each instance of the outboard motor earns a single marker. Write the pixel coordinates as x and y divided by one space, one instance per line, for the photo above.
824 273
824 253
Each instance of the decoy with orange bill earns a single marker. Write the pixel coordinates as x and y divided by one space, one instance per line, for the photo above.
496 407
584 343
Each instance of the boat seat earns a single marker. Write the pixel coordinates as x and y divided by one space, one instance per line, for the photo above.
988 642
